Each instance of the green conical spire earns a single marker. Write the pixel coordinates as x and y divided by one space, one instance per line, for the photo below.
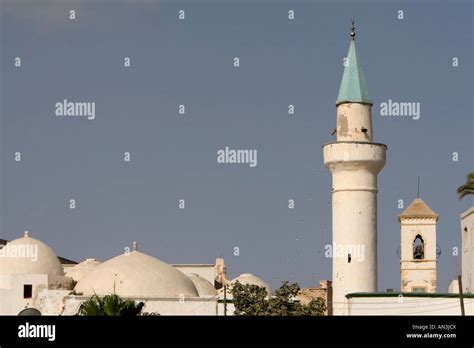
353 86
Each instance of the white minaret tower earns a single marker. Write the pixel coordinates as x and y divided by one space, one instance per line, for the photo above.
354 161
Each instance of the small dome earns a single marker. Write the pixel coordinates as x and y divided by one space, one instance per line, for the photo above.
136 275
248 278
203 286
80 270
27 255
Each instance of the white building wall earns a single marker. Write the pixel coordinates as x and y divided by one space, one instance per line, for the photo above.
50 302
453 287
163 306
467 239
11 292
403 305
197 306
47 293
227 309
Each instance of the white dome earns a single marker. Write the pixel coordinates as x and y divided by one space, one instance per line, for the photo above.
80 270
203 286
27 255
248 278
136 275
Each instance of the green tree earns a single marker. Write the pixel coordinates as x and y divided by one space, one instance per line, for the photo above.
254 300
110 305
249 299
468 187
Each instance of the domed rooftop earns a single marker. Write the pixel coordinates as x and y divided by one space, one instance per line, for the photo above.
203 286
80 270
27 255
248 278
136 275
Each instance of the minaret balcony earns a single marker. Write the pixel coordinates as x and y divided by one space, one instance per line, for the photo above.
354 155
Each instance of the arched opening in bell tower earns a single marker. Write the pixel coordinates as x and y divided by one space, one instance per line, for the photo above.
418 248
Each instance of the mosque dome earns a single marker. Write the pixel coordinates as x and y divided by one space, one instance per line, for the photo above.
80 270
136 275
248 278
203 286
27 255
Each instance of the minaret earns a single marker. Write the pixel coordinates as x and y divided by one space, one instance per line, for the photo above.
418 248
354 161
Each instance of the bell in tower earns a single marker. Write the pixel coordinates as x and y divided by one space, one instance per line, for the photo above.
418 248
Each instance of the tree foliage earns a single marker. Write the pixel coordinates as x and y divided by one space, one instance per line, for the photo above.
110 305
468 187
253 300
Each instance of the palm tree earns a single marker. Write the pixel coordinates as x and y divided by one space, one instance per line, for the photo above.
110 305
468 187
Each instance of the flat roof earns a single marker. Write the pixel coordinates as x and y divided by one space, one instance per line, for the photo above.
193 265
467 212
407 294
65 261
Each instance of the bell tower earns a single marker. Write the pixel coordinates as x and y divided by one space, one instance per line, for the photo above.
418 248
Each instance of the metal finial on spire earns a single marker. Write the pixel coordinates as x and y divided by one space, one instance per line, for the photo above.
353 30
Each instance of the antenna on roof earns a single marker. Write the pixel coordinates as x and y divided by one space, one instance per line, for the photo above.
418 193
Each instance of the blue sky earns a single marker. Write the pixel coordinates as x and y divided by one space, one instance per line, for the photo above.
173 156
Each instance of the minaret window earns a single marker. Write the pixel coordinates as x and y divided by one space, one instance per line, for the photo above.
418 248
27 291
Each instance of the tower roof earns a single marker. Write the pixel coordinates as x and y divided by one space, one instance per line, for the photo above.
353 86
418 209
